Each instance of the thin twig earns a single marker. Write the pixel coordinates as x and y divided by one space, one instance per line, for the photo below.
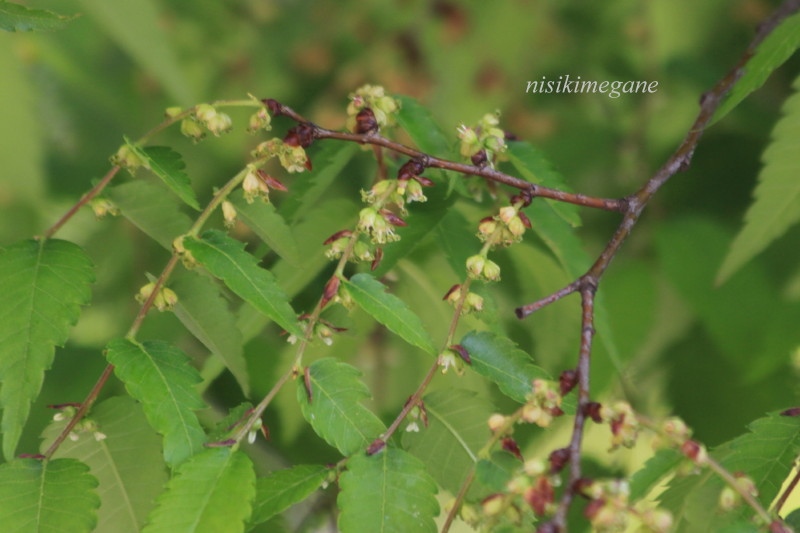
787 491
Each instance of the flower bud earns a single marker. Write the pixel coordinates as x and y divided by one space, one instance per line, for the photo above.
492 505
414 192
253 186
473 302
507 213
172 112
165 299
491 271
449 359
486 228
127 158
103 206
516 227
362 251
229 214
260 120
475 265
496 421
729 499
453 295
324 333
191 128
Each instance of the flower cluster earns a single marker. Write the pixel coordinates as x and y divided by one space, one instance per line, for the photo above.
292 156
472 301
454 357
204 117
609 510
370 104
730 498
257 183
623 422
165 299
544 404
482 143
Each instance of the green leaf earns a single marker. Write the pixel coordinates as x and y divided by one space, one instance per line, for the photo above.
168 165
137 28
418 122
226 259
765 454
148 207
283 488
495 473
388 492
211 493
127 462
498 359
656 468
269 225
16 17
776 203
455 433
205 313
769 55
55 495
309 187
534 167
43 283
161 378
335 410
370 294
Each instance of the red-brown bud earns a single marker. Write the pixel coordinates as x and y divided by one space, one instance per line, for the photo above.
410 169
393 219
593 507
301 135
511 446
365 121
376 446
694 451
567 381
265 431
273 105
338 235
461 351
525 220
540 495
453 289
794 411
592 410
422 180
558 460
378 258
479 159
307 383
331 288
271 182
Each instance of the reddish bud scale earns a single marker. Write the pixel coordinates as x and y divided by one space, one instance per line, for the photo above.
479 159
376 446
365 121
301 135
423 413
525 220
378 258
63 405
540 495
307 383
567 381
592 410
338 235
794 411
581 484
691 449
331 288
308 165
556 411
453 289
461 351
523 197
265 431
304 316
558 460
31 456
511 446
422 180
410 169
271 182
220 444
593 507
273 105
392 219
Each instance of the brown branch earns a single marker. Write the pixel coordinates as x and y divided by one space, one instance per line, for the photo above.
787 492
375 139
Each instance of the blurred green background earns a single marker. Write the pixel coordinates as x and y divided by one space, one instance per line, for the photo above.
718 356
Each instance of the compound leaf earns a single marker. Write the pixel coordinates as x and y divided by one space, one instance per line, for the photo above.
161 378
55 495
455 433
124 454
776 204
370 294
334 407
211 493
43 283
226 259
388 492
16 17
498 359
283 488
168 165
778 46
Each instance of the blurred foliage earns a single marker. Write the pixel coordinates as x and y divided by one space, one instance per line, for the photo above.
719 356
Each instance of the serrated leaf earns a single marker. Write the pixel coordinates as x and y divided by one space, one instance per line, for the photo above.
205 313
127 462
388 492
281 489
16 17
226 427
495 473
418 122
455 433
335 410
498 359
43 284
168 165
776 199
370 294
161 378
776 48
765 454
147 206
57 495
532 165
136 27
656 468
226 259
309 187
211 493
269 225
